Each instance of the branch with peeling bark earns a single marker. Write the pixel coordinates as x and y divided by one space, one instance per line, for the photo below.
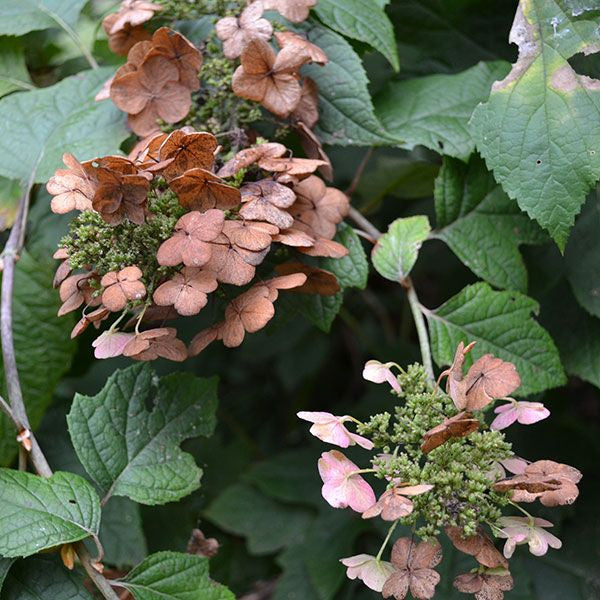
15 406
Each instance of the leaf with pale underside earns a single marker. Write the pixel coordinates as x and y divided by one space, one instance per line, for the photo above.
129 450
481 224
396 251
502 324
13 71
20 16
540 129
35 134
38 513
361 20
174 576
434 111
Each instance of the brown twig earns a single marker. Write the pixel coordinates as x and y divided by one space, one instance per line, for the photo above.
359 172
15 407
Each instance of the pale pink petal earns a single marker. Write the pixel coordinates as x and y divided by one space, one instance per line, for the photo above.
315 416
531 412
361 441
515 465
504 419
111 343
372 572
378 372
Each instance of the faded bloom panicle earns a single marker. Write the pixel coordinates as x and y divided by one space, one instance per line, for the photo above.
331 429
372 572
378 372
342 485
523 530
523 412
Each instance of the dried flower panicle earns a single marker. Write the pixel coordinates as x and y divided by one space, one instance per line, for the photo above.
445 470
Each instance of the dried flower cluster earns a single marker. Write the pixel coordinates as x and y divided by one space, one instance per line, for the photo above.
445 470
165 230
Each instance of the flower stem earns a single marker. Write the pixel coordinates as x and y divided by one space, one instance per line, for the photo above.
387 539
417 312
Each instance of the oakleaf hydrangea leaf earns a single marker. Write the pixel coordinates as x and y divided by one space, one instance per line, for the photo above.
345 108
20 16
43 577
38 513
351 270
396 251
131 451
174 576
40 125
502 324
481 224
434 111
361 20
540 129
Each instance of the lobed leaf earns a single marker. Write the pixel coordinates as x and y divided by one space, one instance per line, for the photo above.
352 271
361 20
396 252
21 16
502 323
174 576
131 451
481 224
40 125
346 111
434 111
540 127
37 513
43 578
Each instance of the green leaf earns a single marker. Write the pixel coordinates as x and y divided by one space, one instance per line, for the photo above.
582 258
5 565
540 127
174 576
38 513
434 111
20 16
13 71
352 270
10 193
130 451
361 20
39 126
42 345
481 224
121 533
396 252
321 311
502 323
267 525
43 578
345 107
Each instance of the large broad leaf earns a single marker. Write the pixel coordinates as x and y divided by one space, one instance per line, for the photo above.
43 578
540 129
396 252
20 16
361 20
5 565
38 513
352 271
268 525
39 126
174 576
502 323
13 71
481 224
345 107
582 258
434 111
42 344
10 194
130 451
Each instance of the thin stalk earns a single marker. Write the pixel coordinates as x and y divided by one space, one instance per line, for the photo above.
364 223
387 539
417 312
97 578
